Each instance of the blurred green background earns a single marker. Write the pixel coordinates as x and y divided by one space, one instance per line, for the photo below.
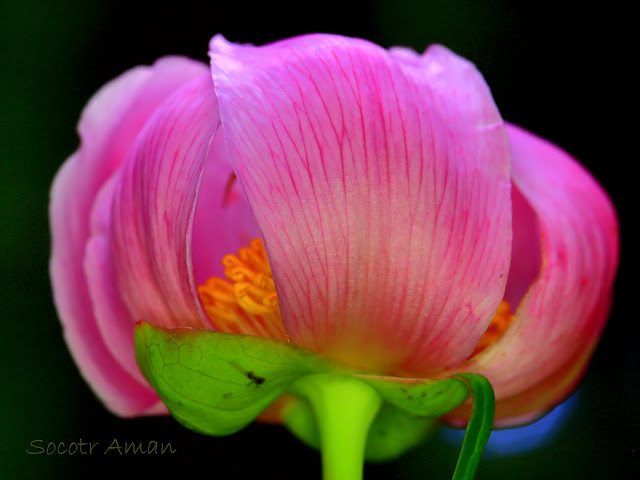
557 70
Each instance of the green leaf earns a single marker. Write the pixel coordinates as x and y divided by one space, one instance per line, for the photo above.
217 383
479 427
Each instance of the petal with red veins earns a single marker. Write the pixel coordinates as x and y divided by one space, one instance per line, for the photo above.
154 203
108 127
558 321
380 182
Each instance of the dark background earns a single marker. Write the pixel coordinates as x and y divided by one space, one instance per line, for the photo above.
562 72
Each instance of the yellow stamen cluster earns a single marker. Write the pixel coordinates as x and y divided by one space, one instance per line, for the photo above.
497 327
248 302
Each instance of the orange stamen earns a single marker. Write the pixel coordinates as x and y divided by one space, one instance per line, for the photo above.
499 323
248 303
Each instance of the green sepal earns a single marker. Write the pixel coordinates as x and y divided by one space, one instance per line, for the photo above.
393 432
217 383
420 397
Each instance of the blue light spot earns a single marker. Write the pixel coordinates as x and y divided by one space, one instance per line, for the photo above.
517 440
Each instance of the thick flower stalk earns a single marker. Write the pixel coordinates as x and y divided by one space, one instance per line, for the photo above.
369 207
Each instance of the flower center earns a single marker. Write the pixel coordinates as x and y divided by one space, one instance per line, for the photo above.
496 328
247 302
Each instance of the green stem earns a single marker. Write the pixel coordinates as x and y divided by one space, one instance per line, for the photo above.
479 427
344 408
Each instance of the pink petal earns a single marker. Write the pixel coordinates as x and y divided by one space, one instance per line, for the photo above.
380 182
526 251
543 353
154 203
109 125
224 222
537 400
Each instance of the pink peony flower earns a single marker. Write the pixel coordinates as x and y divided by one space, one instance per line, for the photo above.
405 228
